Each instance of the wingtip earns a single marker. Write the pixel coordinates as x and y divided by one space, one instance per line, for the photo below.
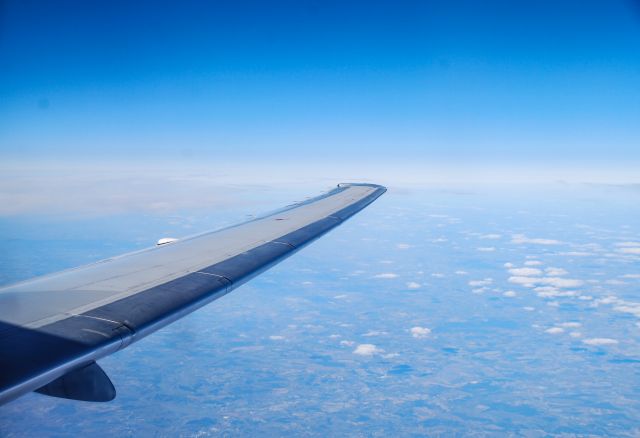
351 184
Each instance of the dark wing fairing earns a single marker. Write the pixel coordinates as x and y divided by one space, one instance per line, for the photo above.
89 383
96 310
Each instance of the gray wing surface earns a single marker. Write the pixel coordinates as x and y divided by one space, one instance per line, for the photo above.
54 328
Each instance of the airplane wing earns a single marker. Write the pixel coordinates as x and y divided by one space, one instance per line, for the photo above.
54 328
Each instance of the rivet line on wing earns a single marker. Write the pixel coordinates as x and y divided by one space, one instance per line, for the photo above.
214 275
283 243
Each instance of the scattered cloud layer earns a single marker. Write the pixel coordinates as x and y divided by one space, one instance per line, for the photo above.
95 190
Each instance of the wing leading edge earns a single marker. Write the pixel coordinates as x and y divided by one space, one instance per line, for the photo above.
54 328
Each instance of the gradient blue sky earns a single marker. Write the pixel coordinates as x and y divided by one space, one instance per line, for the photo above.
539 83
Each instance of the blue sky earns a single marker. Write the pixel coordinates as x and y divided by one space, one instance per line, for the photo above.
527 84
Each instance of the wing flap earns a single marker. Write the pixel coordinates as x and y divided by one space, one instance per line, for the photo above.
147 311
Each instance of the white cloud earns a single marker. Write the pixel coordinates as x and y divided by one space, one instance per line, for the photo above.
544 289
554 330
525 272
555 272
548 292
466 273
347 343
486 249
491 236
386 275
403 246
599 341
367 350
609 299
570 324
615 282
529 308
628 244
576 254
628 307
374 333
550 281
509 294
562 282
522 239
575 334
413 285
508 265
524 281
276 337
629 250
437 275
533 263
476 283
420 332
634 276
